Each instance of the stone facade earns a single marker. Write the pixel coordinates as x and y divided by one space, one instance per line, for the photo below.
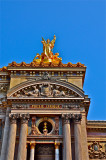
43 113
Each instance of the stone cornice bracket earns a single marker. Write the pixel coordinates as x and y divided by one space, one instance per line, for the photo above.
77 118
13 118
24 118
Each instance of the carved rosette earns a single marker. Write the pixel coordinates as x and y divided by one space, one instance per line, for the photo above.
13 118
24 118
77 118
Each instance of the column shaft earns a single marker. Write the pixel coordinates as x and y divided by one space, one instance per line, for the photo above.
67 155
23 137
5 136
32 151
12 139
57 151
22 142
77 135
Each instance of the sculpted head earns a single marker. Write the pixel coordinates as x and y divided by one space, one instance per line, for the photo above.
48 40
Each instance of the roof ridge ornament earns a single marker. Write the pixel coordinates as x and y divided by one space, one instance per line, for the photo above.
47 54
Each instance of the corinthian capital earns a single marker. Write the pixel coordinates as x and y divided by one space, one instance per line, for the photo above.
24 118
77 118
66 118
13 118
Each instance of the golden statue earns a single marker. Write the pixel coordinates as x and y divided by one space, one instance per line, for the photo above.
47 54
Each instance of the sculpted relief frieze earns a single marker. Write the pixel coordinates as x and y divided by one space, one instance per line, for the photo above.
45 89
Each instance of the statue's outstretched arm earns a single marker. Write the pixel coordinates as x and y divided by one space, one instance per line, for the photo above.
43 40
53 41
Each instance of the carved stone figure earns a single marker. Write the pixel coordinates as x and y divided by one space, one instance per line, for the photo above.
46 76
57 93
34 93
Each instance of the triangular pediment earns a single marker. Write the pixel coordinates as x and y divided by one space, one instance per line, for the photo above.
45 89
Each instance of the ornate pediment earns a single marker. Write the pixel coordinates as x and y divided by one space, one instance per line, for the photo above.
45 88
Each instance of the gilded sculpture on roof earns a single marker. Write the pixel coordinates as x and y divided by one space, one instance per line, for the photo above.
47 54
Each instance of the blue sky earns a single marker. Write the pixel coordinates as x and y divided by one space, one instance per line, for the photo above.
79 26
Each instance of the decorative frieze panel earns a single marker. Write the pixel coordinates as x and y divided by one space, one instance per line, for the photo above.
97 150
71 106
45 90
46 106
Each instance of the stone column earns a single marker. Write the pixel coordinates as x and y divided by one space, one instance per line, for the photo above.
5 135
32 151
57 151
23 137
11 138
77 136
66 138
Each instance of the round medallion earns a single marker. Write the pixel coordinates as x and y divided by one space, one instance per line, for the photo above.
45 127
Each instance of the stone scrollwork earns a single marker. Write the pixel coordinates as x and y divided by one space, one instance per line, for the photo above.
97 150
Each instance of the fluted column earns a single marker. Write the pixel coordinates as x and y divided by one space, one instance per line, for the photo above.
57 151
11 138
5 135
66 138
32 151
23 137
77 135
